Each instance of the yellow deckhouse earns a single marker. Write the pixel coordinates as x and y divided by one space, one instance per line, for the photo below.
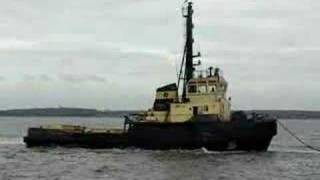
206 96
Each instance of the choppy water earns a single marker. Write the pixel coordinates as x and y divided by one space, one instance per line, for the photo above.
286 159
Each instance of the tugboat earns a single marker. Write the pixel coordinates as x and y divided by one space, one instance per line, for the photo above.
200 117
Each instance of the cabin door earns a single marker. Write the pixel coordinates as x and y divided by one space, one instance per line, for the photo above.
195 110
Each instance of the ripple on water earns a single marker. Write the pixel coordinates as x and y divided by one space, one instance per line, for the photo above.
286 159
17 162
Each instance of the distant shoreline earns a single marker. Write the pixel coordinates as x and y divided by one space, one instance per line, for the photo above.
64 112
85 112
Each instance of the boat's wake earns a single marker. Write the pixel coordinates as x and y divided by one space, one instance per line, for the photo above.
11 140
286 150
206 151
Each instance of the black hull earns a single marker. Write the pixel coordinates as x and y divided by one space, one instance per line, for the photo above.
211 135
217 136
50 137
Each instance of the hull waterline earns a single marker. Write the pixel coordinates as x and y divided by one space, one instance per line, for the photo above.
211 135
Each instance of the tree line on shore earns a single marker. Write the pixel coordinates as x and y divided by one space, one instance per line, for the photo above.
283 114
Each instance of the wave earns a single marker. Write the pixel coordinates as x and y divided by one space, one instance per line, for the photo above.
11 140
206 151
293 150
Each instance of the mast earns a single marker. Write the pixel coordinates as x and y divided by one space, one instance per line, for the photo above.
189 43
188 50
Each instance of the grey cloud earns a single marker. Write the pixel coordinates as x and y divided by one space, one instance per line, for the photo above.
79 78
38 77
28 77
265 48
45 77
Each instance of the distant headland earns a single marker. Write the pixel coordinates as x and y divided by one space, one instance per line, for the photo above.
64 111
85 112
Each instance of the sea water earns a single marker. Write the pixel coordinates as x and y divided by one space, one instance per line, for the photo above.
285 159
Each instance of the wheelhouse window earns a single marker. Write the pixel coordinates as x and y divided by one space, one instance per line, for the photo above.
192 89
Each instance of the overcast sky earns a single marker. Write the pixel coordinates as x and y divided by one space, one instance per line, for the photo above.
113 54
